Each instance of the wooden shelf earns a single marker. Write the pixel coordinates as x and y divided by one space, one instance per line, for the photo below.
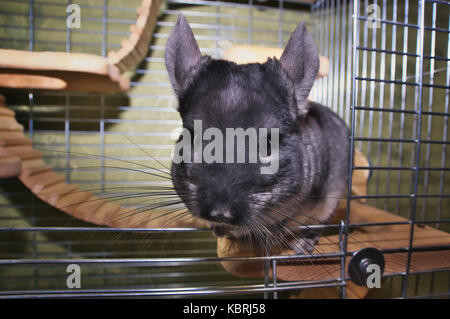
59 71
242 54
77 71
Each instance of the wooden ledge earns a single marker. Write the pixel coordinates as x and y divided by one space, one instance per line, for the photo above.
242 54
78 71
60 71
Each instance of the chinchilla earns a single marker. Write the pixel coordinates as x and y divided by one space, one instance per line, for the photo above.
265 210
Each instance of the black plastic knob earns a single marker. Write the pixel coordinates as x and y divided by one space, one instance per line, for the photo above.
360 261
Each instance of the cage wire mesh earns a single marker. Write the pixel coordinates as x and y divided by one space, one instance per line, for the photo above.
389 80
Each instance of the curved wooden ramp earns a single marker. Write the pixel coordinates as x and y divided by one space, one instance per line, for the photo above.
135 47
60 71
19 159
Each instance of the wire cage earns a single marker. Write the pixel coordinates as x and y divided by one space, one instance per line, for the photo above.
389 79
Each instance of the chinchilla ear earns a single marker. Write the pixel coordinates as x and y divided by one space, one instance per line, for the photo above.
182 53
301 62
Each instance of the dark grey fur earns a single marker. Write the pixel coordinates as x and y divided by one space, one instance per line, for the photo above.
236 199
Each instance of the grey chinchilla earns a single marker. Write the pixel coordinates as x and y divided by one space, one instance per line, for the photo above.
238 201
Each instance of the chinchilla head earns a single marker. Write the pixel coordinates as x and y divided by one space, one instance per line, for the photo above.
217 97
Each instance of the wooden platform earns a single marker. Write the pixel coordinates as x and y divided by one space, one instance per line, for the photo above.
242 54
77 71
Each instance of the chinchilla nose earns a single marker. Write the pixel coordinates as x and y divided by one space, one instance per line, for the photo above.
221 215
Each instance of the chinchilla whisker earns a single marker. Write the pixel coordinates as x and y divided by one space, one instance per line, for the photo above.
119 197
277 239
308 226
256 226
142 187
161 205
279 223
154 215
295 236
120 168
269 238
255 240
282 227
322 223
146 208
304 225
161 195
144 151
101 156
164 193
119 235
250 234
314 219
173 219
273 209
111 198
316 232
180 213
153 158
158 205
